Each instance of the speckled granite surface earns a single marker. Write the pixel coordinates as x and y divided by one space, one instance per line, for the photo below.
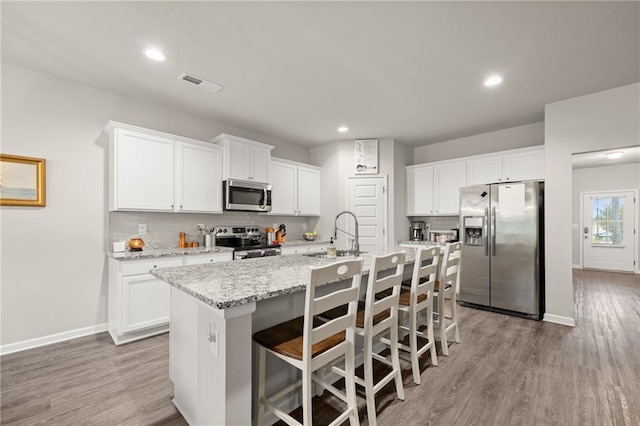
228 284
420 243
152 253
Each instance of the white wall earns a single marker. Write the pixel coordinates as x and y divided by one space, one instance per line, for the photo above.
501 140
54 275
607 178
603 120
402 157
337 160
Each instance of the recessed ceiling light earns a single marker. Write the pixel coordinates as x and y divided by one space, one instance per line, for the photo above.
155 54
615 155
343 129
493 80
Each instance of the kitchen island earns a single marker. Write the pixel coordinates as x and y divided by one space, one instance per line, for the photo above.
215 309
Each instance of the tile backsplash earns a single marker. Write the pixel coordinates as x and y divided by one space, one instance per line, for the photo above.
163 228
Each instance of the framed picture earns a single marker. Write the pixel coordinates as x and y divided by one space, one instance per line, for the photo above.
22 181
366 155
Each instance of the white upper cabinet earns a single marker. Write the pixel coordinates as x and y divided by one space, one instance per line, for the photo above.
448 179
155 171
198 178
524 165
506 166
295 189
433 189
245 159
419 190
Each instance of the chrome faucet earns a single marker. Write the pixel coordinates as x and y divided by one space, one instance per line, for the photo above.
355 247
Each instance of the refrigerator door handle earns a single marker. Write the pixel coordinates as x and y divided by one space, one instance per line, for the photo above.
484 231
493 231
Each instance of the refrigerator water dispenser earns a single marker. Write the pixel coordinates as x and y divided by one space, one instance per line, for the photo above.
473 230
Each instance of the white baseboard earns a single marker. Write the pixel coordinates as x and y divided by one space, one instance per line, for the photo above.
576 266
558 319
53 338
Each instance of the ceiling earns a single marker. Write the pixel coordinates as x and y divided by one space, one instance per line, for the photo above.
599 158
295 71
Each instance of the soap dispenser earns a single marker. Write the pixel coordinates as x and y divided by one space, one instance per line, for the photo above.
331 250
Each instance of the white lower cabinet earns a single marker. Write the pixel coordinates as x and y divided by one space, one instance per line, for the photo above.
139 303
307 248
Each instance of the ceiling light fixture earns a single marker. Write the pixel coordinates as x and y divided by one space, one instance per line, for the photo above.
155 54
614 155
343 129
493 80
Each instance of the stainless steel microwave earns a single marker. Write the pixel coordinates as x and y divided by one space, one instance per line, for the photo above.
248 196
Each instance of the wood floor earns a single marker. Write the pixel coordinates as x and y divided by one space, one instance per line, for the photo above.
507 371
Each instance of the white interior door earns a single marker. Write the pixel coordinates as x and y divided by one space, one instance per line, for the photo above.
608 230
367 200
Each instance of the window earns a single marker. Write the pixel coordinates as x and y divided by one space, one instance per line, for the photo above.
607 221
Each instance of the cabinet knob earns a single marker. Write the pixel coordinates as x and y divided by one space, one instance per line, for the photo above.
508 178
155 266
180 207
171 205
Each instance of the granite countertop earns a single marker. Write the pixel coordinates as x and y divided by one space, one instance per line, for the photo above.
420 243
153 253
228 284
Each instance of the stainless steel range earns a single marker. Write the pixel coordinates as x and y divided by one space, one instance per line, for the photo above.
247 242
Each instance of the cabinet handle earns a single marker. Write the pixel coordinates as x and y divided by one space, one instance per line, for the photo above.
180 207
172 206
155 266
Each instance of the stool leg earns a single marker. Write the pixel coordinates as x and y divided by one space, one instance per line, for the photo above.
261 378
395 357
413 344
350 385
432 349
368 381
454 318
307 395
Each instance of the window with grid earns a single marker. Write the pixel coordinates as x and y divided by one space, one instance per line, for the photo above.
607 221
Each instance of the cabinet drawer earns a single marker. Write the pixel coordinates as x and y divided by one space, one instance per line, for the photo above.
199 260
144 266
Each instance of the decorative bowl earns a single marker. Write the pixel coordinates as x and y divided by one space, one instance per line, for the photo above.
309 237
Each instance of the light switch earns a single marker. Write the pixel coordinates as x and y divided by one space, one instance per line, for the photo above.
142 228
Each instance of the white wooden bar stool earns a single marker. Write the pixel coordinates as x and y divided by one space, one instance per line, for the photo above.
378 317
417 298
445 290
309 344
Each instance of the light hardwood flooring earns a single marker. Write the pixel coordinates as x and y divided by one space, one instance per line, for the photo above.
507 370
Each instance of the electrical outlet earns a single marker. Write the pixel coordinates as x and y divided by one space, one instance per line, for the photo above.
201 227
142 228
304 226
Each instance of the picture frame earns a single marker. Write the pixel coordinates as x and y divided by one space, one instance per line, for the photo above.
366 156
22 181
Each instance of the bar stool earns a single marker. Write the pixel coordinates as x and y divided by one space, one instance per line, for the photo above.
376 318
309 344
445 289
417 298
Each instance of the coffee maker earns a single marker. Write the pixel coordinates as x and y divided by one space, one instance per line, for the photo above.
417 231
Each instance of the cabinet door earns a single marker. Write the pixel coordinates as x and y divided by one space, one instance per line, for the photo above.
199 178
524 166
145 302
143 172
308 192
283 189
420 191
260 161
448 179
484 170
239 161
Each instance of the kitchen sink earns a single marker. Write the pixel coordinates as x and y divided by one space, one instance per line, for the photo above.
339 253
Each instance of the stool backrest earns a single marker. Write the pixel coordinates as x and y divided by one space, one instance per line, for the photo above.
316 331
450 269
386 273
425 272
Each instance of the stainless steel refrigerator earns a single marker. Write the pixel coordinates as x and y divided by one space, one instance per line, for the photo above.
503 248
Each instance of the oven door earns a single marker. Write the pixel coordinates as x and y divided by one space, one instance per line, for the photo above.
247 196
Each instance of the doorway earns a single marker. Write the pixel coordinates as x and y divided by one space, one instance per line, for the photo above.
367 199
608 230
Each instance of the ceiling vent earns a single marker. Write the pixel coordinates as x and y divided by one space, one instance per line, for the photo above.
190 78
